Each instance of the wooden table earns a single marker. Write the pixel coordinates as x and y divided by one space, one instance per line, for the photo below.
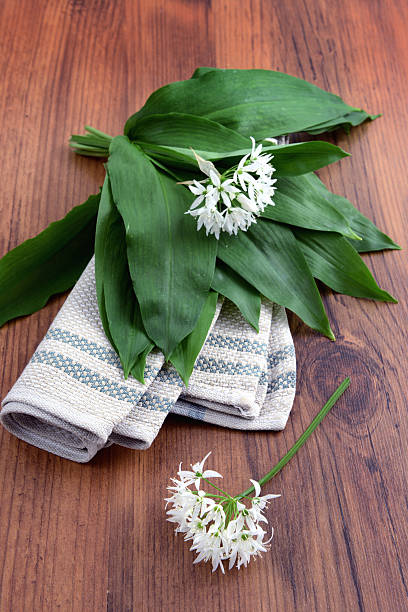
94 537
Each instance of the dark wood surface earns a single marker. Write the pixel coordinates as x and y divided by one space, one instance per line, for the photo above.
94 537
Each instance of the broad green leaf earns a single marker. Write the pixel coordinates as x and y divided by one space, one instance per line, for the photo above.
120 311
333 260
47 264
298 202
259 103
289 160
185 354
302 157
231 285
186 131
352 119
269 258
372 238
293 159
171 264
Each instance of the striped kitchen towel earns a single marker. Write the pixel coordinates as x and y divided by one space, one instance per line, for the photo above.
73 400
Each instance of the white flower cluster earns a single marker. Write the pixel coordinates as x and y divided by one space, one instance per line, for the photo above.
220 527
233 200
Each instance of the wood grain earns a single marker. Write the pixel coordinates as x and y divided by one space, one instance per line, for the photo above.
93 537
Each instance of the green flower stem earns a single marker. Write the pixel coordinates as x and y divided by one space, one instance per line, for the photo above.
316 421
214 495
218 488
230 510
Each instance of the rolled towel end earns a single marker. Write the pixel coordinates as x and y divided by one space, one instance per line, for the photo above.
44 422
49 435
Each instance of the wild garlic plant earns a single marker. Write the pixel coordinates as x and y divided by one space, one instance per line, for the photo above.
225 528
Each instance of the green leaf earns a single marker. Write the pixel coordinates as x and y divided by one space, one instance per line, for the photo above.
139 367
47 264
289 160
103 227
352 119
333 260
185 354
231 285
119 309
302 157
171 264
259 103
269 258
298 202
202 70
372 238
185 131
349 120
93 144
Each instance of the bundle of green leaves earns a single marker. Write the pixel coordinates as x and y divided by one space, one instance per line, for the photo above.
157 277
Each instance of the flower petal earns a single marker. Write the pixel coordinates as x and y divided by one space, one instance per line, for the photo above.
211 474
201 464
215 177
257 487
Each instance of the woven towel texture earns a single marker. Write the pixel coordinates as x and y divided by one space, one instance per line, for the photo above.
73 400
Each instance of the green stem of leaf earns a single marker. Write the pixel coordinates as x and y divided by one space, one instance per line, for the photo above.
93 144
96 132
299 443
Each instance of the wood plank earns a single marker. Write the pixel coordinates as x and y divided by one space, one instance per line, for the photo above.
94 537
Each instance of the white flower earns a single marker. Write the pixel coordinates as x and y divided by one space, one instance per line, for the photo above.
232 204
247 204
209 547
221 527
261 192
237 218
263 501
216 515
210 218
223 189
242 174
251 163
203 192
259 163
245 543
196 473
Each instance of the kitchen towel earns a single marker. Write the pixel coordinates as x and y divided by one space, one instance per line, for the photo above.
72 398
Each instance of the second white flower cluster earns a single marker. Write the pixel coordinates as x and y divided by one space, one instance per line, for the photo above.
221 527
233 200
